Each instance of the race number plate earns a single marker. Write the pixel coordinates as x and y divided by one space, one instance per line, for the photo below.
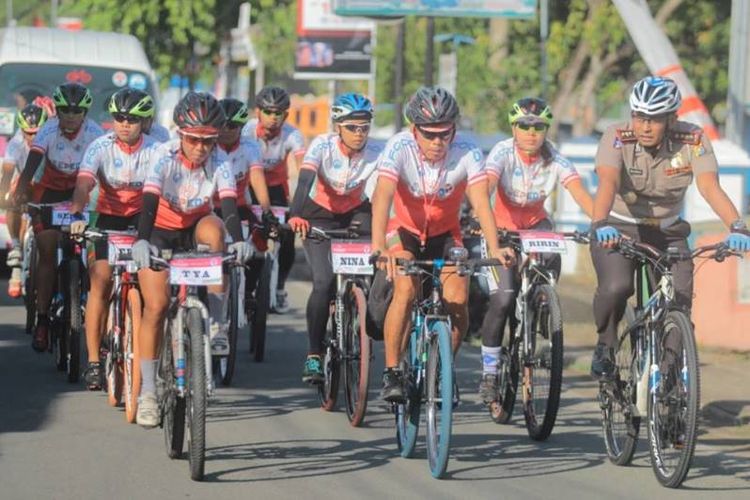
279 212
120 248
542 242
195 271
351 257
61 215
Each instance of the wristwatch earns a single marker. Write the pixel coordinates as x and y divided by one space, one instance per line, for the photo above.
738 226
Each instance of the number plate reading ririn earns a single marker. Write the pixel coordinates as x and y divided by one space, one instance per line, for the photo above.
200 271
542 242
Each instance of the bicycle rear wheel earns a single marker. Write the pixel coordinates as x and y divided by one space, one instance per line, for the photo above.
172 405
131 355
260 314
617 398
357 348
226 363
439 408
407 414
673 404
75 320
328 391
195 379
543 371
29 284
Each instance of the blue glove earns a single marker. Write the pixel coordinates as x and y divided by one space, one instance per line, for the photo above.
607 234
142 251
738 242
241 250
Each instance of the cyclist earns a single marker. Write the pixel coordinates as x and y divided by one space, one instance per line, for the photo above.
525 170
60 143
330 195
425 172
29 120
182 178
644 168
117 162
282 146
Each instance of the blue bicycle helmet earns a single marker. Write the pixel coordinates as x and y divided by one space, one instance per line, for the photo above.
351 106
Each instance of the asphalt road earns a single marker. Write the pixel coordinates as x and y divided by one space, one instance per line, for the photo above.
267 438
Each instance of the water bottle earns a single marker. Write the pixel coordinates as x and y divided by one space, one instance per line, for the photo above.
654 379
642 390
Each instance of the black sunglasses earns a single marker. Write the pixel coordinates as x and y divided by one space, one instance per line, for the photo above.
71 110
124 117
365 129
443 136
539 127
274 112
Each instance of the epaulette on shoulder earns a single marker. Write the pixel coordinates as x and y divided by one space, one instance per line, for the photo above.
626 135
692 137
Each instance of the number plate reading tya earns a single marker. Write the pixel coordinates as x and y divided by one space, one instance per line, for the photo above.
120 248
61 215
542 242
198 271
279 212
351 257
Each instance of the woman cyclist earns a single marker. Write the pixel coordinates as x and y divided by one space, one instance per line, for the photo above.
525 169
330 195
182 178
117 161
29 120
61 143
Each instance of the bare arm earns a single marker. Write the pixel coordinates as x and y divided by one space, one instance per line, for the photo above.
581 196
84 185
260 188
712 192
609 183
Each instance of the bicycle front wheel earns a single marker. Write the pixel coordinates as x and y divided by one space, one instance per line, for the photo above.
259 315
328 390
132 355
113 355
226 363
674 401
357 348
407 414
542 377
29 283
195 379
439 410
171 404
75 320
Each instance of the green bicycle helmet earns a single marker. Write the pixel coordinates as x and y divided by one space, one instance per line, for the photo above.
72 94
235 110
31 118
530 109
132 102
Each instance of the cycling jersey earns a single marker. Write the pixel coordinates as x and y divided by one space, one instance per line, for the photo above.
185 190
275 151
63 153
120 171
524 183
16 153
159 133
340 182
243 157
428 196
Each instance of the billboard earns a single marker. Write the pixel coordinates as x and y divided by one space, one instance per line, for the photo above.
448 8
330 46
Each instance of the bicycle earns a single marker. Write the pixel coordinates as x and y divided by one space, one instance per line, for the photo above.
651 379
346 342
428 361
184 372
533 353
28 275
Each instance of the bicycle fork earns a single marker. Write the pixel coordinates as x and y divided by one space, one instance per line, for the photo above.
178 344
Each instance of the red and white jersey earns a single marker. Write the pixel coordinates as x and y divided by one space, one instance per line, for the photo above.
243 157
524 183
16 153
120 171
340 182
274 151
159 133
63 153
428 196
185 190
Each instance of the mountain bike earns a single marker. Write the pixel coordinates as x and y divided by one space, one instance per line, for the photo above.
656 374
347 346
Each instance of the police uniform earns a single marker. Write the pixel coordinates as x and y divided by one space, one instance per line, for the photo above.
647 208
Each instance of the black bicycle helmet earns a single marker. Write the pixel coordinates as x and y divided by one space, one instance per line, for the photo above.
199 113
132 102
235 110
272 97
72 94
31 118
430 105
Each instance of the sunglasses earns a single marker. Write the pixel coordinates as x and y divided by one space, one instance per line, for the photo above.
364 129
539 127
272 112
444 135
124 117
71 110
193 140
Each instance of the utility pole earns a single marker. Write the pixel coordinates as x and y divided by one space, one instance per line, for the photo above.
429 52
543 36
738 95
398 77
53 14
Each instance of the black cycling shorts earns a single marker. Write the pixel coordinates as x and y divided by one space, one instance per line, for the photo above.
177 240
436 247
108 222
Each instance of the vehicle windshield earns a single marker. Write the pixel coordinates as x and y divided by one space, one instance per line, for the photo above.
20 83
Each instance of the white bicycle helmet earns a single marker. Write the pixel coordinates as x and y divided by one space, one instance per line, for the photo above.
654 95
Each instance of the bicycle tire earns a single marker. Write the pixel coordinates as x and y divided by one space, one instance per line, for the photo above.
260 313
543 399
407 414
60 342
226 363
439 405
508 381
30 286
328 391
195 378
131 352
357 350
113 357
74 320
172 405
684 393
617 400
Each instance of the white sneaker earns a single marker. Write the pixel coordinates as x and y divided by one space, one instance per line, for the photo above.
282 302
14 257
148 411
219 339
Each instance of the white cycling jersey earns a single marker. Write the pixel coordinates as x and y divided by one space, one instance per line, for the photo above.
275 150
242 158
